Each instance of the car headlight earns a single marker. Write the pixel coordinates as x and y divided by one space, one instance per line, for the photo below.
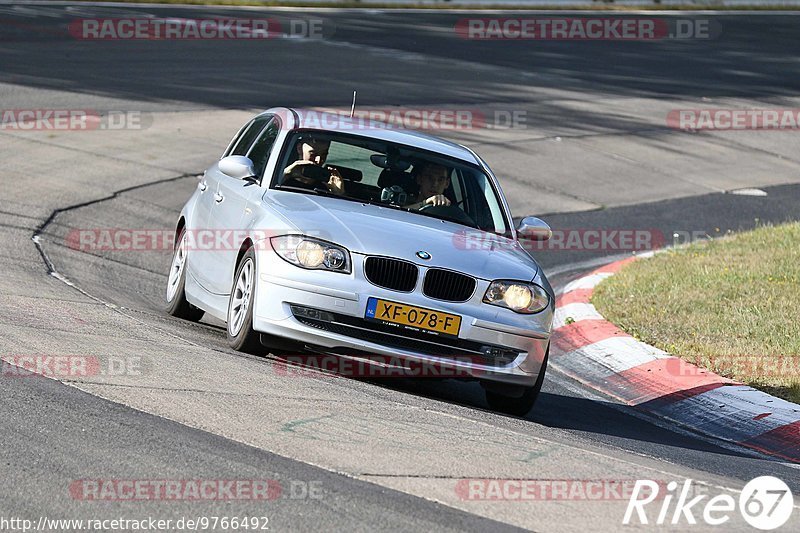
310 253
518 296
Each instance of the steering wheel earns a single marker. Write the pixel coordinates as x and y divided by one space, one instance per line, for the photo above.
457 204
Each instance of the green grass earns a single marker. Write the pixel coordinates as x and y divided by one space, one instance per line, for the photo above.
598 6
730 304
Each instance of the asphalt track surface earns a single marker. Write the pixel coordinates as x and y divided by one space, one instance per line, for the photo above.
593 153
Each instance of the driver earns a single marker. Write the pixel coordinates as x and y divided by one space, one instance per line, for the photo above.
312 152
432 180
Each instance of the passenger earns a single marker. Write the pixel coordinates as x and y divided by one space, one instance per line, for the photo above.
432 180
312 152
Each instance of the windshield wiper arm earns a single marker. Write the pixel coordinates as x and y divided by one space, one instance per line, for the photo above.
318 191
381 204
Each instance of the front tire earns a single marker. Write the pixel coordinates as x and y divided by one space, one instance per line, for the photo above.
519 406
175 295
241 336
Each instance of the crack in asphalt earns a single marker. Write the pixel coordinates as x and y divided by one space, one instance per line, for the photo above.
53 271
37 233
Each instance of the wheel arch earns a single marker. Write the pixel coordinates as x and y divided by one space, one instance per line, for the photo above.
246 245
178 228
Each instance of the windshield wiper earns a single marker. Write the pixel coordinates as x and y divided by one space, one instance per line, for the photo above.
381 204
455 220
318 191
325 192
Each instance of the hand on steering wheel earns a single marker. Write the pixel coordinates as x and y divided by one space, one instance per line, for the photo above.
437 200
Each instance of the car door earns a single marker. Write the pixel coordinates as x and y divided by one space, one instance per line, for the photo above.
198 225
233 206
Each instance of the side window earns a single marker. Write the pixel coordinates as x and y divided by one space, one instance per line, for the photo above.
259 154
480 204
236 139
242 146
355 157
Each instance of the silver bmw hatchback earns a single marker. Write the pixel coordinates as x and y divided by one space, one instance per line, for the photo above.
317 233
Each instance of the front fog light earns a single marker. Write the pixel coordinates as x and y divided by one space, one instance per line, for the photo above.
518 296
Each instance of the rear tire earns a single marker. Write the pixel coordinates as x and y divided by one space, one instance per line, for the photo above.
519 406
241 336
175 296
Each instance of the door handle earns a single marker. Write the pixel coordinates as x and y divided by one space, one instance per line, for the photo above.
202 186
218 197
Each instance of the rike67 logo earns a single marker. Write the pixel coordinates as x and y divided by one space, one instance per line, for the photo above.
765 503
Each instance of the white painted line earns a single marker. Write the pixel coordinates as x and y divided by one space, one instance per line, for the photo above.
749 192
613 355
585 265
572 380
586 282
732 413
575 311
728 412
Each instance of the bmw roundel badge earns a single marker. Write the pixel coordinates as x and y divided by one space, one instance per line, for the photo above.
422 254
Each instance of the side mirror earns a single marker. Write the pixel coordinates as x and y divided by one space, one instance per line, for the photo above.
237 166
534 229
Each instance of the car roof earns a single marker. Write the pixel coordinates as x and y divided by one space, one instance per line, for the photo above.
340 123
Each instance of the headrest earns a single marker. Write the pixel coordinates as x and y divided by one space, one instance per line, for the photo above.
388 178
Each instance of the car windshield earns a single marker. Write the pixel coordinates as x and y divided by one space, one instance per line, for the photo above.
369 170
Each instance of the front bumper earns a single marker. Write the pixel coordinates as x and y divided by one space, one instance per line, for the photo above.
493 344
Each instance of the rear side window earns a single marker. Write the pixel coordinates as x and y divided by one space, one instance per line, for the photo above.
242 146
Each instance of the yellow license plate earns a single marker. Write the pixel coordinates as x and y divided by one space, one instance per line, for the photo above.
413 317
